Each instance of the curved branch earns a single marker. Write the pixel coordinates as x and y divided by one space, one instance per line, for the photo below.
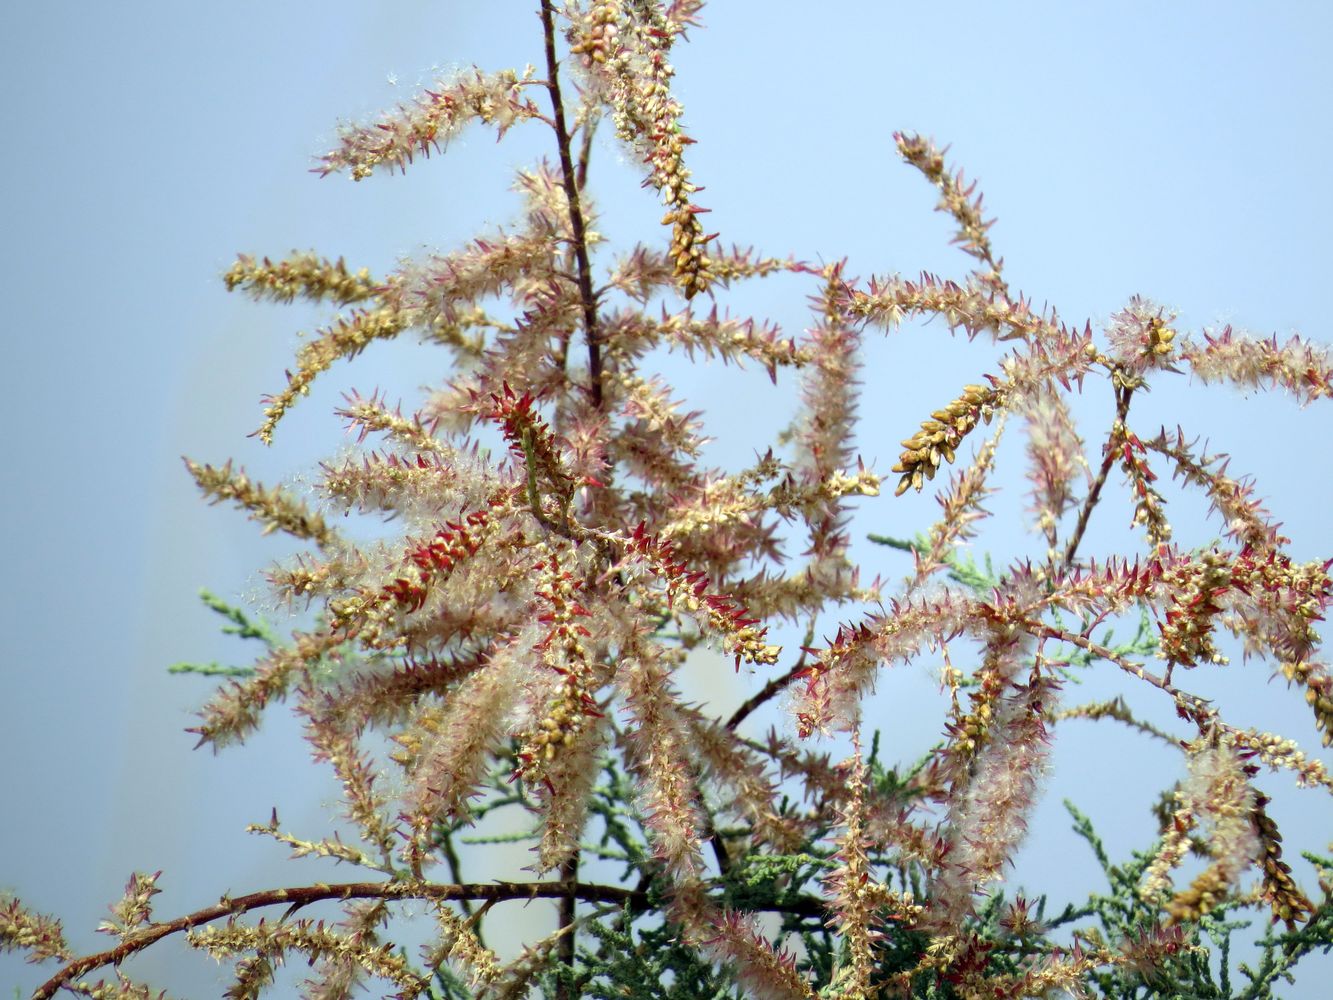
299 896
775 684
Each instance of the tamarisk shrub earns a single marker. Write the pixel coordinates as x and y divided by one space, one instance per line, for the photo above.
516 647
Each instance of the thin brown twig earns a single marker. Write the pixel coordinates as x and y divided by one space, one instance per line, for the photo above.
1123 395
569 876
585 151
570 180
451 858
776 684
1189 705
296 897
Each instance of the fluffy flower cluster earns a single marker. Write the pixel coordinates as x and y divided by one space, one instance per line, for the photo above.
625 49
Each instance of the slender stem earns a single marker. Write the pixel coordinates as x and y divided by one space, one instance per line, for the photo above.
774 685
572 182
1189 705
585 151
299 896
1122 398
765 693
719 845
446 843
570 179
569 875
296 897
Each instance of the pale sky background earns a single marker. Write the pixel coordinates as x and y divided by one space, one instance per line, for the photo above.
1178 151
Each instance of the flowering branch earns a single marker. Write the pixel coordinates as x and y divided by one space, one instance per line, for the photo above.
513 639
570 181
296 897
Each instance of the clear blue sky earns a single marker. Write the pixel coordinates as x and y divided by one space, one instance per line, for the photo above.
1178 151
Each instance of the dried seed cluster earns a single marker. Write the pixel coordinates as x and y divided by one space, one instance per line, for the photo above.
1318 693
940 436
1281 893
1194 589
